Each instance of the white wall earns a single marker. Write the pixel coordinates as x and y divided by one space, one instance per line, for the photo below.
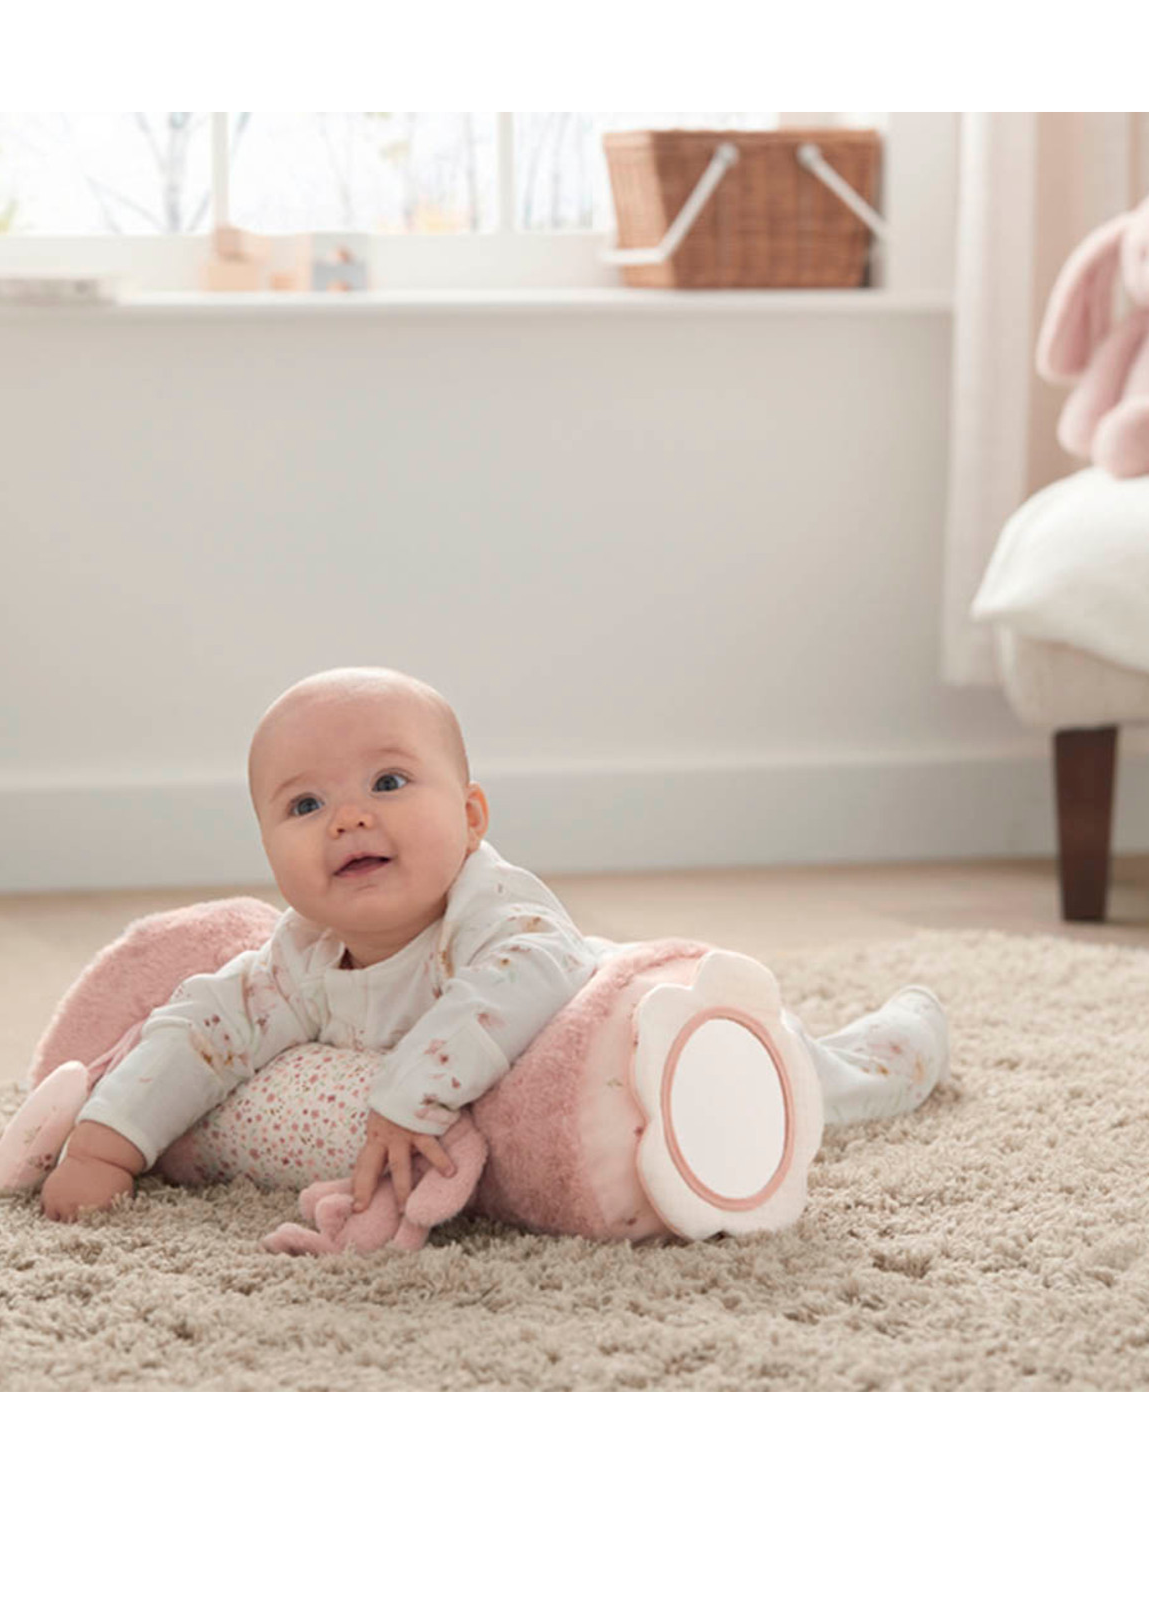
679 573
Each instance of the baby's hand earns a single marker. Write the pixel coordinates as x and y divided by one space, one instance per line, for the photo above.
100 1165
79 1183
389 1143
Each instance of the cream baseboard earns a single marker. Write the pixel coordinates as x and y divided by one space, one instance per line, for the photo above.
788 811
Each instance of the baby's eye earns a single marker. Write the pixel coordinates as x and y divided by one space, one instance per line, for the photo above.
299 808
391 775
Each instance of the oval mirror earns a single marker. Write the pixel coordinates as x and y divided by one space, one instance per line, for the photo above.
725 1107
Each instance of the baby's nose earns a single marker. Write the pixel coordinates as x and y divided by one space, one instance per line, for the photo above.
353 814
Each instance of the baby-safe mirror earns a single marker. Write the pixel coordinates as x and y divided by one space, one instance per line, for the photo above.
731 1102
724 1108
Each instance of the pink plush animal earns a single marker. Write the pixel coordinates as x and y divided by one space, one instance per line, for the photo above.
1106 417
381 1224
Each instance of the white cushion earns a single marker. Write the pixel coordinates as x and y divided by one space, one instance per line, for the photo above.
1072 566
1061 688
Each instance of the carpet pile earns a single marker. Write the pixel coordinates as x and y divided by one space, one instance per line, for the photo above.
995 1240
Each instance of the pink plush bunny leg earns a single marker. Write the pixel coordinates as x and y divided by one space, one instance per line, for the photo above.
437 1198
297 1239
329 1204
291 1238
1121 443
361 1232
311 1196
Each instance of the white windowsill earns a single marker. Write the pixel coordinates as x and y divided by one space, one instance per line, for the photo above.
612 300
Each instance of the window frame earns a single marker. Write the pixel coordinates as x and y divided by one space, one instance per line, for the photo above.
918 201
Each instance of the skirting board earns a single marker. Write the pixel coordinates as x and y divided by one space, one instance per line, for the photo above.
79 836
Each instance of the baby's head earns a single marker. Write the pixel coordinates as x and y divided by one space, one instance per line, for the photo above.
361 786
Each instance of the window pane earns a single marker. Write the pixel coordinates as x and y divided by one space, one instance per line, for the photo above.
561 180
105 173
385 171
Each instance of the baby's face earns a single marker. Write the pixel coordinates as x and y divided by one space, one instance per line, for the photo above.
364 818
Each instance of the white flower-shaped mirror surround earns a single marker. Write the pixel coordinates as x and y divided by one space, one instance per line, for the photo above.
732 1104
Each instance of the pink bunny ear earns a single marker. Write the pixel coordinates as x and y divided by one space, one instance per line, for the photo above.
1080 309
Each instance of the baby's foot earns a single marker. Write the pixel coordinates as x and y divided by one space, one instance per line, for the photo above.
892 1058
931 1053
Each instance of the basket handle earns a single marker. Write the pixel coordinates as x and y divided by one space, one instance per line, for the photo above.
810 157
725 157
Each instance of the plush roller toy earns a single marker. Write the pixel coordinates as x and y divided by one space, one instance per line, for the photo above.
668 1098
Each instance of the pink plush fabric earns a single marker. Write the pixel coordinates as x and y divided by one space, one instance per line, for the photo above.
1079 313
563 1125
1106 416
99 1019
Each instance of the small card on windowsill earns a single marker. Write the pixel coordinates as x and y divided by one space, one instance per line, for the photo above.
57 289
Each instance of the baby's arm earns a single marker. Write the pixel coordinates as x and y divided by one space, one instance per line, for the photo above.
513 981
217 1029
520 971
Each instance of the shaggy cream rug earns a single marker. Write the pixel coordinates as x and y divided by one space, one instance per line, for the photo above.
995 1240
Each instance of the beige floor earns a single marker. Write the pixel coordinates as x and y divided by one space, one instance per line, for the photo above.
782 907
45 939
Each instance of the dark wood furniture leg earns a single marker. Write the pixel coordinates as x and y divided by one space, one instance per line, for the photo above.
1084 767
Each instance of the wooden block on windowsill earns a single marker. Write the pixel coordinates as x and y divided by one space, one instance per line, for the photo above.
242 261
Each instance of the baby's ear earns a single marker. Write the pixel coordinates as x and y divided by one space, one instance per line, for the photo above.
478 816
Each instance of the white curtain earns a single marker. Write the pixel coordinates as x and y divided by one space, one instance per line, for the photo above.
1031 186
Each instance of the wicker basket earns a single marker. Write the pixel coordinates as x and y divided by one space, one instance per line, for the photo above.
770 223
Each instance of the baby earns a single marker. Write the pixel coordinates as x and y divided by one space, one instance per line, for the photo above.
407 936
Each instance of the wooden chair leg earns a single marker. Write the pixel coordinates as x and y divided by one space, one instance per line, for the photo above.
1084 767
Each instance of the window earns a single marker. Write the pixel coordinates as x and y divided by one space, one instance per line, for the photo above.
462 199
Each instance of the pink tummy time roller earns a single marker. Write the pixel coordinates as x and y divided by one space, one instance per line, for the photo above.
668 1098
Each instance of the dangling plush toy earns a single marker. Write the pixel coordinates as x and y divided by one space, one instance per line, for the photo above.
1106 417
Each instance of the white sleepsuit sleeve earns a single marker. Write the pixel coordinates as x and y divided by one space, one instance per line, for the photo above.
217 1029
524 970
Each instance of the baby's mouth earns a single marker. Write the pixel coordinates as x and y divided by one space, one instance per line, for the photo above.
362 864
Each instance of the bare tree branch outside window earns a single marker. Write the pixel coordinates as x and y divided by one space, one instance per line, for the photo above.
124 174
